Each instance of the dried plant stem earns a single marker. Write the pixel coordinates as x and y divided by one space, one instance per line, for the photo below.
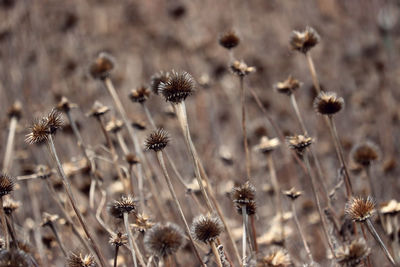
178 205
244 128
339 152
275 184
377 238
10 145
313 72
254 233
368 261
116 255
4 224
303 238
216 254
99 210
244 238
122 143
132 244
58 239
150 261
373 193
71 198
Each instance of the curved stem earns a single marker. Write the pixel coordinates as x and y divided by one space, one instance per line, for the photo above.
375 234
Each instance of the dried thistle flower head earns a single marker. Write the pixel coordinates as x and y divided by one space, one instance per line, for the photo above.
118 239
365 153
102 66
142 223
328 103
139 124
288 86
244 193
305 40
140 94
126 204
64 105
157 79
251 208
97 110
241 69
390 208
157 140
293 194
164 240
53 121
132 159
360 209
353 254
40 129
299 143
267 145
48 219
206 228
80 260
114 125
229 40
178 87
10 205
15 258
278 257
7 184
15 110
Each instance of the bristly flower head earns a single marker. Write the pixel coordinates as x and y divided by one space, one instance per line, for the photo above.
244 196
365 153
360 209
229 40
178 87
164 240
353 254
293 194
15 110
41 129
81 261
53 121
288 86
15 257
157 140
118 239
10 205
304 41
157 79
328 103
6 184
241 69
139 95
206 228
102 66
125 204
299 143
64 105
142 223
276 258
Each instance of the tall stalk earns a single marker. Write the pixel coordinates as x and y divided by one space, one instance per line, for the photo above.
10 145
244 128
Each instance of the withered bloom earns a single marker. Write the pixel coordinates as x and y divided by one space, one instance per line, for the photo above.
241 69
48 219
41 129
7 184
288 86
244 196
206 228
276 258
64 105
267 145
15 258
124 205
15 110
97 110
299 143
328 103
360 209
157 79
178 87
80 260
118 239
140 94
142 223
305 40
229 40
353 254
157 140
102 66
365 153
293 194
10 205
114 125
164 240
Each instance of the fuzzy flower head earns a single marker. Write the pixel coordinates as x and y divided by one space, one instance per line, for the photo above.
157 79
206 228
139 95
364 154
353 254
299 143
328 103
41 129
241 69
178 87
125 204
119 239
80 260
288 86
276 258
229 40
157 140
164 240
7 184
102 66
244 198
15 257
360 209
305 40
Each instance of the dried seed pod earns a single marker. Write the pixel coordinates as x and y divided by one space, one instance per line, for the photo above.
10 205
80 260
15 110
157 140
293 194
229 40
7 184
124 205
157 79
305 40
353 254
15 258
142 223
277 257
178 87
53 121
164 240
267 145
206 228
139 95
299 143
360 209
328 103
114 125
365 153
102 66
288 86
244 193
241 69
97 110
118 239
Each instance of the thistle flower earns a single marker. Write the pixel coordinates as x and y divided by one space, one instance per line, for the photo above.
38 133
64 105
267 145
80 260
118 239
15 110
142 223
328 103
114 125
53 121
124 205
164 240
10 205
360 209
157 140
15 258
140 94
178 87
131 159
365 153
48 219
241 69
244 193
7 184
304 41
97 110
299 143
157 79
276 258
206 228
293 194
251 208
353 254
288 86
229 40
102 66
390 208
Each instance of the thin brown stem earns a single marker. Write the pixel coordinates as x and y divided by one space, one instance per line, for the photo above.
244 128
244 238
10 145
368 261
313 72
216 254
373 193
303 238
116 255
133 248
58 239
4 224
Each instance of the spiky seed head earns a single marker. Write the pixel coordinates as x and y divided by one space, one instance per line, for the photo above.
119 239
299 143
277 257
75 260
15 110
126 204
139 95
351 255
178 87
54 121
305 40
142 223
38 133
7 184
131 159
229 40
15 258
251 208
267 145
241 69
293 194
157 140
97 110
64 105
157 79
360 209
164 240
244 193
390 208
288 86
102 66
48 219
206 228
10 205
114 125
365 153
328 103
